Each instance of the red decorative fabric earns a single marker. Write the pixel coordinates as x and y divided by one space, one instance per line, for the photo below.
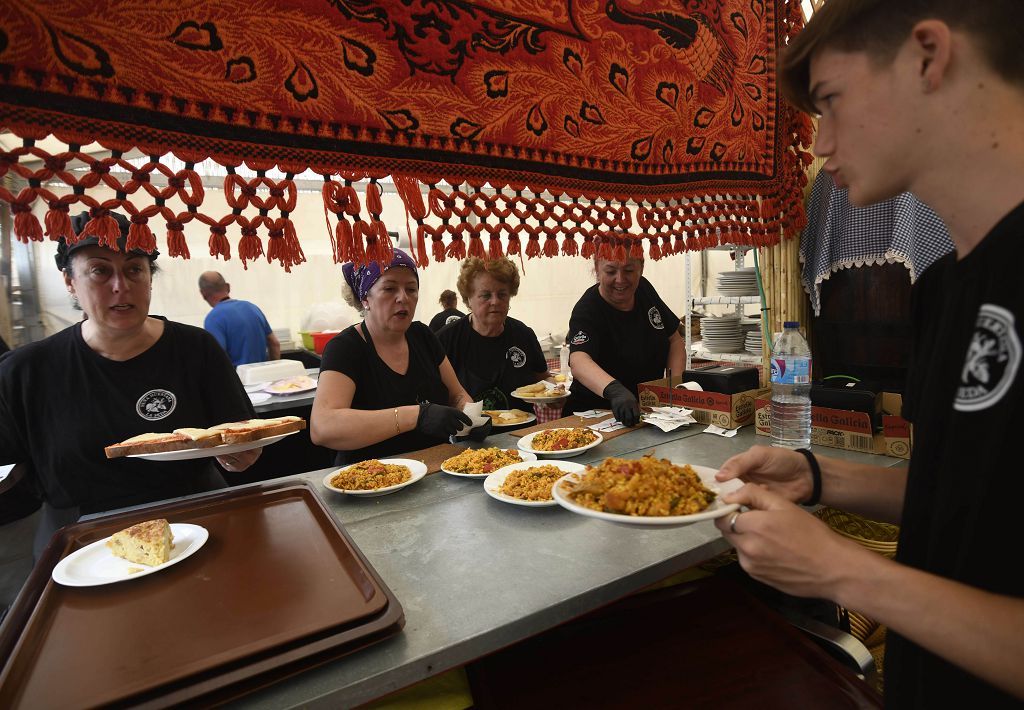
575 117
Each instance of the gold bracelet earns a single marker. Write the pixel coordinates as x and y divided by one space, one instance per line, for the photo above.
398 429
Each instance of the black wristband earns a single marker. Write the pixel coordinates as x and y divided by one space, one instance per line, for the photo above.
815 477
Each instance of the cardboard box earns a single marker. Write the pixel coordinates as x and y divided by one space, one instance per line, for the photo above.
898 432
850 430
725 410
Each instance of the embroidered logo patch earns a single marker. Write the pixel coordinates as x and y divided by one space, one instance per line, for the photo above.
992 360
156 404
654 316
579 338
451 319
517 356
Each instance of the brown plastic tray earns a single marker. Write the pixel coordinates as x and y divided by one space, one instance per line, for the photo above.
278 587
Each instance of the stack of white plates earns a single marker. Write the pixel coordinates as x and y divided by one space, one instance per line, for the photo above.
284 336
752 343
752 335
741 282
722 334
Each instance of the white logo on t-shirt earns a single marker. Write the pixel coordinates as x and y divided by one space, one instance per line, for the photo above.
654 316
517 356
993 356
451 319
579 338
156 404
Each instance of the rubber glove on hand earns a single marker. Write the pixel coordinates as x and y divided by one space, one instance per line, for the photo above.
439 421
624 405
478 433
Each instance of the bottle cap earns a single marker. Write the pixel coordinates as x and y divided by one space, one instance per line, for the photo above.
791 324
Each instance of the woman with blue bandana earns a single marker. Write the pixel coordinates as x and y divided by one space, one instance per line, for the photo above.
386 386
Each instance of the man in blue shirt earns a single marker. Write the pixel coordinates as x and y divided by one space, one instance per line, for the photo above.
239 326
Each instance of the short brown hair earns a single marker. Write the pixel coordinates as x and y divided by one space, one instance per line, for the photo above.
503 269
447 298
879 28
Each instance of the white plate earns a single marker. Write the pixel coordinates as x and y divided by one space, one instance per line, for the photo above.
95 564
256 386
417 468
525 444
542 400
209 451
493 483
497 423
259 397
276 388
707 476
526 457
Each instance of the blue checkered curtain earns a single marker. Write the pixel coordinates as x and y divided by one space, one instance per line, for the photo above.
839 236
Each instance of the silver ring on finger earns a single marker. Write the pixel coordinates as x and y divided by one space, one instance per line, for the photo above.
732 522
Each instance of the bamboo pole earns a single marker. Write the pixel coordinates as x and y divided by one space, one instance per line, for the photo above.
794 284
780 275
6 326
773 306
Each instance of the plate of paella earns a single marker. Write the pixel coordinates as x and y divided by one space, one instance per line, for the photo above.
480 463
566 441
647 491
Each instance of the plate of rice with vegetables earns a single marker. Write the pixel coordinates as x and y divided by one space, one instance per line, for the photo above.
529 483
480 463
646 491
375 477
566 441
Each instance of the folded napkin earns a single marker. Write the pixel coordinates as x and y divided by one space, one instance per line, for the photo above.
474 410
668 418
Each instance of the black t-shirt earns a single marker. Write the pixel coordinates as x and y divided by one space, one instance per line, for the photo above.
491 368
964 395
631 346
380 387
61 403
444 317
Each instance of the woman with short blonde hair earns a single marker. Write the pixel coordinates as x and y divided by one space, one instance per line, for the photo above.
492 353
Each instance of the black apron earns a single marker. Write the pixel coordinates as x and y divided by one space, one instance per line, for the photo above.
420 384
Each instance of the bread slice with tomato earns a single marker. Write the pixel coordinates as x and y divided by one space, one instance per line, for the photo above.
177 440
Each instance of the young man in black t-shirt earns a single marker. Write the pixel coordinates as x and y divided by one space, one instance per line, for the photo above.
927 97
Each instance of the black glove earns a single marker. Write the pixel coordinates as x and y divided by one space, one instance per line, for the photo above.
624 405
439 421
479 433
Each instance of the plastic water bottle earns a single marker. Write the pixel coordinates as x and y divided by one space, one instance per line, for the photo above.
791 389
563 359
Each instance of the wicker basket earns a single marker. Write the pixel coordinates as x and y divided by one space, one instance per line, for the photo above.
879 537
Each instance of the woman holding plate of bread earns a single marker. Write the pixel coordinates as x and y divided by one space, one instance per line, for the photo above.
386 386
118 373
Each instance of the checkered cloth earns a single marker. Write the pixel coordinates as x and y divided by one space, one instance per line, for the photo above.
548 412
839 236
